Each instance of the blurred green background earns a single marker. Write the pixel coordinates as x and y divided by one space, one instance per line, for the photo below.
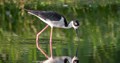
99 30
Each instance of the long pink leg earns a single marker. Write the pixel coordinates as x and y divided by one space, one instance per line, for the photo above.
37 44
51 42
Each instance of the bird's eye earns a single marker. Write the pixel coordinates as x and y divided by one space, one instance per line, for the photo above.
76 61
76 23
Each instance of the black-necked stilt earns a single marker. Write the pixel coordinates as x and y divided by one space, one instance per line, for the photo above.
52 19
62 59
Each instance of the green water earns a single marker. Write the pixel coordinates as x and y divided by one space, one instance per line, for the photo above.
99 31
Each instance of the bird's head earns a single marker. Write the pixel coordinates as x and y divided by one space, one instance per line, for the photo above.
75 25
75 60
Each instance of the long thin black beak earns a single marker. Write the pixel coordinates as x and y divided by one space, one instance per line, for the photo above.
76 32
76 52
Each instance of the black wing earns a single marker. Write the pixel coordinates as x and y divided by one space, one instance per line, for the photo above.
53 16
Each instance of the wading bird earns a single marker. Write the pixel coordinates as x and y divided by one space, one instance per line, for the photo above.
52 19
62 59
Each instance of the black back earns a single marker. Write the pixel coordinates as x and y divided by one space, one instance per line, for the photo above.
53 16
